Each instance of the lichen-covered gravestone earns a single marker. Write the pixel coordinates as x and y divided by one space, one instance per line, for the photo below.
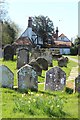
42 62
22 57
55 79
27 79
7 77
77 84
8 52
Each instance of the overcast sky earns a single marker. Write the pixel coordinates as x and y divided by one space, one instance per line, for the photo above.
63 13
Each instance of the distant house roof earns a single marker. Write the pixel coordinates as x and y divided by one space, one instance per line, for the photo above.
62 44
23 41
62 35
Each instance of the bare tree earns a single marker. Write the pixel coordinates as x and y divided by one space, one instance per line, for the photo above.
3 10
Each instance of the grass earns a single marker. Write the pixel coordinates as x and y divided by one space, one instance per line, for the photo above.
41 104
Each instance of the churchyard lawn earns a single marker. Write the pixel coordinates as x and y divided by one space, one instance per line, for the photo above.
41 104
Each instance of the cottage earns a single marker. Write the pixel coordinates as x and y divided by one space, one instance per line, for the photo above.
29 38
61 42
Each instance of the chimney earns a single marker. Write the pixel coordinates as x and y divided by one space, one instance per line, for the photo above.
30 22
29 29
57 33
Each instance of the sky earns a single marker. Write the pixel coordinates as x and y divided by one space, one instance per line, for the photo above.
63 13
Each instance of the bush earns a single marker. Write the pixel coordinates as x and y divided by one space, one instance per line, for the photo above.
74 50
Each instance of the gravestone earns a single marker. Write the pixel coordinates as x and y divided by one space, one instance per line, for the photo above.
56 56
1 53
77 84
36 66
7 77
35 53
27 79
42 62
22 57
47 54
55 79
62 62
8 52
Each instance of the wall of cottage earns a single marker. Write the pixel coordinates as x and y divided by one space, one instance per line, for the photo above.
65 51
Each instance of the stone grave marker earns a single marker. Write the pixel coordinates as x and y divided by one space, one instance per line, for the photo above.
55 79
35 53
77 84
56 56
42 62
8 52
27 79
48 56
36 66
1 53
7 77
62 62
22 57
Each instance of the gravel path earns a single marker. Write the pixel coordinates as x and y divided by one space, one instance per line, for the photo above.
73 59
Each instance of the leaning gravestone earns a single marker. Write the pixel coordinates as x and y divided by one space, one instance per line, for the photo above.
7 77
77 84
36 66
22 57
27 79
55 79
8 52
42 62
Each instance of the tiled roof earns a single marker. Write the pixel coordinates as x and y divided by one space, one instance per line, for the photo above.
62 35
62 43
23 41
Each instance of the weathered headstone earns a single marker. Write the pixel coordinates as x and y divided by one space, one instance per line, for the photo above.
22 57
1 53
77 84
42 62
62 62
48 56
56 56
36 66
55 79
8 52
35 53
27 79
45 53
7 77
